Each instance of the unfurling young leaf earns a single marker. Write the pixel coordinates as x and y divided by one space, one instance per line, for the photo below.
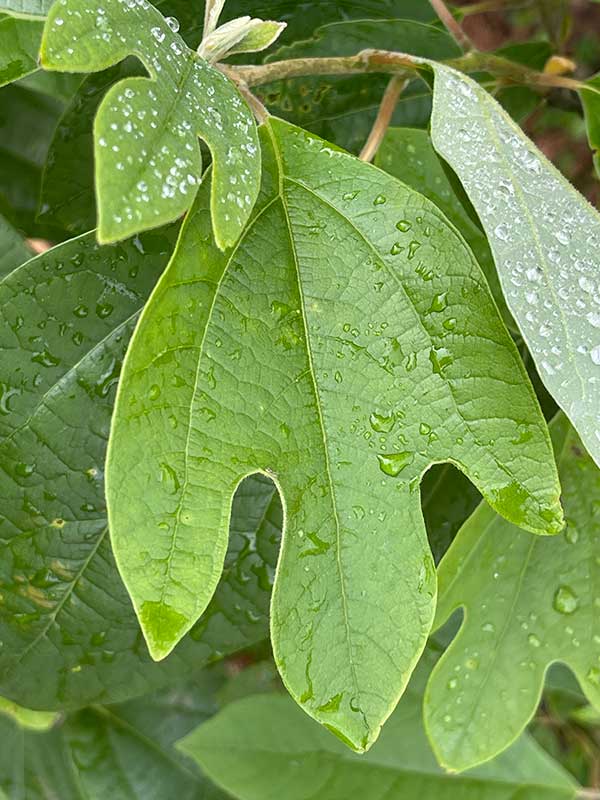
344 345
69 635
527 602
148 164
241 35
545 238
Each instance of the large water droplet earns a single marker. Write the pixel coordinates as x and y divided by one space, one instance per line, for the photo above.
173 23
392 464
565 600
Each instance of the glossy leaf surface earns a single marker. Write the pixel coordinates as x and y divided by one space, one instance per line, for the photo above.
26 8
147 155
263 748
545 238
343 346
543 606
68 630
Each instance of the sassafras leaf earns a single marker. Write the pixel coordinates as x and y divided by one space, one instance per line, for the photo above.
147 155
528 601
344 345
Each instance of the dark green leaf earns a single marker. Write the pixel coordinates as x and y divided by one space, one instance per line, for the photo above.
68 631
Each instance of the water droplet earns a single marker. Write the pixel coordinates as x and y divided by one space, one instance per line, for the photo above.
404 225
382 423
565 600
595 354
533 640
439 303
380 200
392 464
424 428
412 249
173 23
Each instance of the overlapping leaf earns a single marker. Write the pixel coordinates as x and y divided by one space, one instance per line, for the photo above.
26 8
590 99
123 751
147 154
527 602
19 45
343 109
13 250
407 153
343 346
545 238
263 748
69 633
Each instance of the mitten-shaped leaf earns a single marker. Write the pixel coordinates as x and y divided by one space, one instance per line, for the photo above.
345 344
147 154
544 236
544 607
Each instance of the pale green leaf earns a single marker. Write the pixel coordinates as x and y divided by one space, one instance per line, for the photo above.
212 12
19 46
26 718
527 602
69 634
545 238
263 748
344 345
262 34
147 154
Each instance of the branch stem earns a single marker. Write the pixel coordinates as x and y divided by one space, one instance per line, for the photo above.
384 116
452 25
393 63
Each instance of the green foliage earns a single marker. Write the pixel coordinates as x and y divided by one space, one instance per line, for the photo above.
348 464
544 237
487 685
258 406
263 748
147 155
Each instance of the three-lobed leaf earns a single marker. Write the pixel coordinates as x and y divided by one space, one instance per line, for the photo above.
69 633
147 154
528 602
344 345
544 236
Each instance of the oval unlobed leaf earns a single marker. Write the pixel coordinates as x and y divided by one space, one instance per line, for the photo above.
264 748
125 751
528 601
69 635
545 238
343 346
147 154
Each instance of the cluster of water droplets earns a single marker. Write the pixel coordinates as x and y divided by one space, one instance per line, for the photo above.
545 239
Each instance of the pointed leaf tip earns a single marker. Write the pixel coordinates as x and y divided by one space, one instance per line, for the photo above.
162 627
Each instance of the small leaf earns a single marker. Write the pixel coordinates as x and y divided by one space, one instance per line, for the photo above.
263 748
590 99
148 163
346 344
19 46
527 602
69 635
212 12
260 35
544 236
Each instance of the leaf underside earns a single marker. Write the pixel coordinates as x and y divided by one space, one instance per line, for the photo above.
344 345
528 602
147 154
545 238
